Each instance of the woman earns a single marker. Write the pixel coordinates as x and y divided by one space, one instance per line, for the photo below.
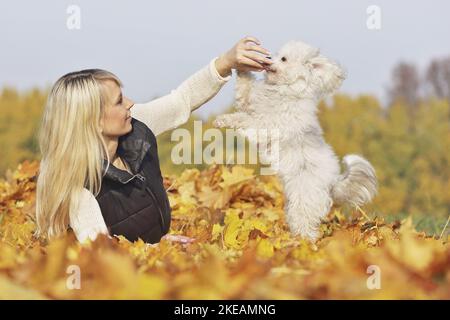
99 171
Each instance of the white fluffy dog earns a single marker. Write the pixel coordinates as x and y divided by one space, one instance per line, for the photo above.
309 170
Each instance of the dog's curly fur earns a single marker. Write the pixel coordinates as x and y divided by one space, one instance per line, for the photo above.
286 100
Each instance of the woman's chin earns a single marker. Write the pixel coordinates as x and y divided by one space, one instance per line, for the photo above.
129 126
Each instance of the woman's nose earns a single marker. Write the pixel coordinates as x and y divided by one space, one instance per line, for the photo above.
129 103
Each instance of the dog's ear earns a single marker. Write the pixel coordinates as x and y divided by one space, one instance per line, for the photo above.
328 75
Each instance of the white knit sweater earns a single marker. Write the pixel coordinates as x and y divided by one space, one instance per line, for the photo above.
162 114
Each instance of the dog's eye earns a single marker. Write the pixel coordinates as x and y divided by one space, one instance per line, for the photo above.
283 59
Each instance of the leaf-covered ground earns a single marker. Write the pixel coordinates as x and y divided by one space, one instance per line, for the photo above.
243 249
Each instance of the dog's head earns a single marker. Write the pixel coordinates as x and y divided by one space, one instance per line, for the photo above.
308 73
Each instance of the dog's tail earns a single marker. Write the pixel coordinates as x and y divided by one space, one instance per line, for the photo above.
357 185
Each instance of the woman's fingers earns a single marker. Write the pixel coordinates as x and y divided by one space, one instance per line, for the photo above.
247 69
253 39
247 55
257 57
249 62
178 238
250 47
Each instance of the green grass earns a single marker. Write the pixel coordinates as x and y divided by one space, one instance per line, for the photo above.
432 225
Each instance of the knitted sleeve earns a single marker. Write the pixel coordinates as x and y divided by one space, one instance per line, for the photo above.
87 222
174 109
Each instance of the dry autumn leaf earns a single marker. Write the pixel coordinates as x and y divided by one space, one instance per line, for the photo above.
243 249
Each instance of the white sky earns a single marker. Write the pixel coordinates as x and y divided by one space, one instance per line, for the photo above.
154 46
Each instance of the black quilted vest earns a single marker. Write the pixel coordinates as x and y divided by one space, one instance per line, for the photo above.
136 205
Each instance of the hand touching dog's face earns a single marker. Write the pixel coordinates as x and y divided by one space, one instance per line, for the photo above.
305 70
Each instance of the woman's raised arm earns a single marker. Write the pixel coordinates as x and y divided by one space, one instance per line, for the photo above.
174 109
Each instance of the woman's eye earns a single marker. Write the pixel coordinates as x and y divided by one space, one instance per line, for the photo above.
283 59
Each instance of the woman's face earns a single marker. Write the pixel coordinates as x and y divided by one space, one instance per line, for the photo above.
116 120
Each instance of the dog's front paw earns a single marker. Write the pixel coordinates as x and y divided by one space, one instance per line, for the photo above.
217 123
249 133
220 122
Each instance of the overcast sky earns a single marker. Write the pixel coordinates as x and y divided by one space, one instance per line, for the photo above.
153 46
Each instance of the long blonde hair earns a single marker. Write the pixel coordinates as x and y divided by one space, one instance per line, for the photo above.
72 147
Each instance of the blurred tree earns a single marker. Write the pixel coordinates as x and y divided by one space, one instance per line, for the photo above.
437 79
413 166
405 84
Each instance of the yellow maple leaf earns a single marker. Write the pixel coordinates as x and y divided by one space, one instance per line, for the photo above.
238 174
265 248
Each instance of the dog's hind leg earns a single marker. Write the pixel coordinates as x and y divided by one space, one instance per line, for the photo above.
307 204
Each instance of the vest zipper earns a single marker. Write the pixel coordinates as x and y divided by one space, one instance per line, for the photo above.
136 175
142 178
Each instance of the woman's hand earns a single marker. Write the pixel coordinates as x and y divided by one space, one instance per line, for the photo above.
178 238
173 238
246 55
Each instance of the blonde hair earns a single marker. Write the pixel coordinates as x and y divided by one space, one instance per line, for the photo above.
72 147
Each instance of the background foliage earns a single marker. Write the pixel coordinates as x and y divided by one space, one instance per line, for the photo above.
237 219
